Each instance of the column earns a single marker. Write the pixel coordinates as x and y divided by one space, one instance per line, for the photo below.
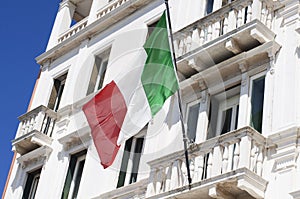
244 97
203 120
62 22
268 97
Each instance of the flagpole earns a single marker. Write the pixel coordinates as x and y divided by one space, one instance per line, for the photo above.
185 139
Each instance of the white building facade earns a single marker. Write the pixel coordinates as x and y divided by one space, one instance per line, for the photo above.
238 65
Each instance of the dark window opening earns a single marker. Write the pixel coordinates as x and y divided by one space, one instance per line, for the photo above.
192 122
131 159
31 184
57 91
209 6
257 103
98 72
73 179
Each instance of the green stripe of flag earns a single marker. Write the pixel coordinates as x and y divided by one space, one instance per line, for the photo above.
158 77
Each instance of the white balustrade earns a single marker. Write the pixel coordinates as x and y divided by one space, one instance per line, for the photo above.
211 158
110 7
222 21
40 119
73 30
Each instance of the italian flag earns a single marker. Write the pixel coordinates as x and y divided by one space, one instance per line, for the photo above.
126 104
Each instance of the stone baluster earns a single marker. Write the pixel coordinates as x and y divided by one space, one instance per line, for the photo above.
32 122
181 47
152 182
188 42
245 150
184 174
269 18
232 20
252 158
225 24
249 13
217 29
259 164
168 177
44 124
195 39
27 124
51 126
225 158
199 161
202 35
159 180
175 175
176 47
217 161
263 13
40 121
240 16
209 32
236 155
209 165
192 168
23 128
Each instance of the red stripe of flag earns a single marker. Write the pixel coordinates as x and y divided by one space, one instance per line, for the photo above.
105 114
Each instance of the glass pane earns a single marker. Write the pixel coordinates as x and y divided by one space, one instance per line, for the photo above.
102 74
209 6
124 164
236 116
78 178
257 102
227 120
136 159
192 121
31 184
94 76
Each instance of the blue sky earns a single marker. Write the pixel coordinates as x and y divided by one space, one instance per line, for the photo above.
25 27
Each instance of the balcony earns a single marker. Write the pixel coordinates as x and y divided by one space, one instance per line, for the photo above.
238 27
35 130
228 166
135 190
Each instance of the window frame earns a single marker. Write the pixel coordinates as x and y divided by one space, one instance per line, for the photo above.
127 177
95 79
80 156
188 107
225 104
31 191
252 78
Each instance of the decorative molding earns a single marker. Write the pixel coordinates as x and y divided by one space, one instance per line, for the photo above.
36 157
79 138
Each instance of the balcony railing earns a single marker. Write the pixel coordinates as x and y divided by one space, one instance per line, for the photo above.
243 148
221 22
110 7
40 119
73 30
35 130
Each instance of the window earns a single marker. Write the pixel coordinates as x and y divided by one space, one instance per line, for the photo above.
131 159
31 184
224 110
257 102
74 175
228 115
209 6
57 91
192 120
98 72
